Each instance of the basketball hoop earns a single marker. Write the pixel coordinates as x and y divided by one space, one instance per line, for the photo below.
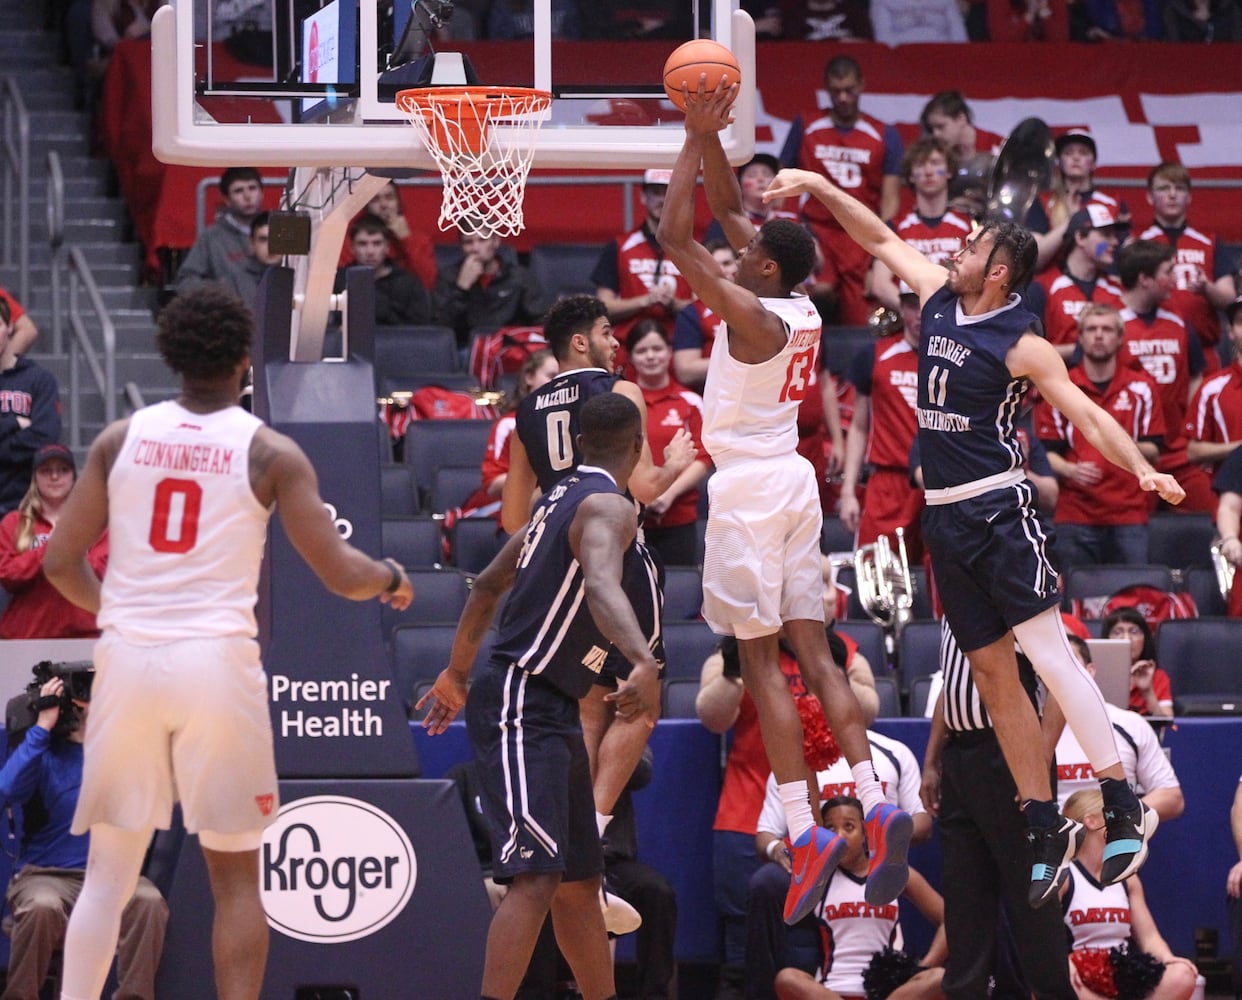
483 141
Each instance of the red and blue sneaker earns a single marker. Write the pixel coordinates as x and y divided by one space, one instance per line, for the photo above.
813 857
888 842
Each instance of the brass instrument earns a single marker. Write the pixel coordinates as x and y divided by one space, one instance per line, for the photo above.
885 589
1023 168
1224 570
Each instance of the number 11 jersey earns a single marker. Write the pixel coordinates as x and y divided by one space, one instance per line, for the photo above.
751 410
185 529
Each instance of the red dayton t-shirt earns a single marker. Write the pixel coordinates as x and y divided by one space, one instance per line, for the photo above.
1132 399
669 410
1159 342
1066 299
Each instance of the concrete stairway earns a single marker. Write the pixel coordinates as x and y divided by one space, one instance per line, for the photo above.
95 223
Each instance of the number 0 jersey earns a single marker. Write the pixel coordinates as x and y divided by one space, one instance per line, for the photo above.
547 421
751 411
546 626
186 529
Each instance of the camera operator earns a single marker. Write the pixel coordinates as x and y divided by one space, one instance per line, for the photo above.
43 775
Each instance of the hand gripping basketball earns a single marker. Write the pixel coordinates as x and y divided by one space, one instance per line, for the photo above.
700 59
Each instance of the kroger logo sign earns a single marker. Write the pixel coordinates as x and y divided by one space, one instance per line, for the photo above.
335 869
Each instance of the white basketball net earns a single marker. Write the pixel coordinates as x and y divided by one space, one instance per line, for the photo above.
483 142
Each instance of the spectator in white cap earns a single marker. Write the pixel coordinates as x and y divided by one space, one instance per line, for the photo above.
633 278
1088 255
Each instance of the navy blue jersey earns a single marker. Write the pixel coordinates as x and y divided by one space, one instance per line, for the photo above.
968 400
547 422
546 627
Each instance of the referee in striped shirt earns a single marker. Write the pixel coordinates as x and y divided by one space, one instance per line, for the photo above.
992 930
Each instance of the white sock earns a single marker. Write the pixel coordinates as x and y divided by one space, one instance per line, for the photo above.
602 821
867 785
798 816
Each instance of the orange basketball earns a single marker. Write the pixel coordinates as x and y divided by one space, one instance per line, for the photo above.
689 61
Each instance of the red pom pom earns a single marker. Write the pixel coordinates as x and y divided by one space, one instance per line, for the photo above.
819 746
1096 969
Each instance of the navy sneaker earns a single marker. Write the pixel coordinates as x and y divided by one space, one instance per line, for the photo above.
1052 848
1125 841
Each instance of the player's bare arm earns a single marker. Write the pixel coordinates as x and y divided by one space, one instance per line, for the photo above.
648 481
83 519
517 496
708 113
1036 359
864 227
755 335
447 696
602 530
281 473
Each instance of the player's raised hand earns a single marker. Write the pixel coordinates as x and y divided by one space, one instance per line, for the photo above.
789 182
1170 489
443 701
709 110
680 451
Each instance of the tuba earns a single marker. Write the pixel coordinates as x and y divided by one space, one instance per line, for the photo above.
885 589
1224 571
1023 168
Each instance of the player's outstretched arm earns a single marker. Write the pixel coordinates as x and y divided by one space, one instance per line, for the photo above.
281 472
706 114
448 695
66 562
864 227
602 529
1035 358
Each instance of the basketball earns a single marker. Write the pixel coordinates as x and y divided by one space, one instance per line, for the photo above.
689 61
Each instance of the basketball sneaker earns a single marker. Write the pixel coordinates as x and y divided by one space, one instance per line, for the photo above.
1126 834
1052 849
813 858
888 842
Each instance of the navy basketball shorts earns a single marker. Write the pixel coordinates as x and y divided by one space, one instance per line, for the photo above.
991 559
535 776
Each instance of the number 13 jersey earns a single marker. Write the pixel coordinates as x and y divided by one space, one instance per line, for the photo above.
751 410
186 530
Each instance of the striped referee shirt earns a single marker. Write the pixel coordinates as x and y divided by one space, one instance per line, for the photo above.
963 709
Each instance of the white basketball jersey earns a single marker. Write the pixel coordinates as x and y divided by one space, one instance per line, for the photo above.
186 532
1098 916
751 411
853 931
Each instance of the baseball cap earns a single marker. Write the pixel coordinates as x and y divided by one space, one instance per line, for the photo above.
1075 135
1231 310
766 159
53 451
1093 215
657 177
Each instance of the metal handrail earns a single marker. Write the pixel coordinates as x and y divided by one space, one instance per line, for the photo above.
15 164
80 277
628 183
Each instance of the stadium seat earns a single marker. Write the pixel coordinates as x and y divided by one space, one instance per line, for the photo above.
1086 582
918 652
679 696
920 606
1200 656
870 638
687 645
835 536
414 350
840 344
415 542
453 486
1200 583
474 542
439 596
398 491
565 268
420 652
383 442
1180 540
430 444
919 692
683 593
890 697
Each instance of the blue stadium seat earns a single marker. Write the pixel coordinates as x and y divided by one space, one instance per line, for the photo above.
398 491
1200 583
918 651
474 542
420 652
453 486
678 698
1200 656
1180 540
870 638
565 268
415 542
415 350
890 697
835 536
919 692
429 444
683 593
687 644
439 596
1086 582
